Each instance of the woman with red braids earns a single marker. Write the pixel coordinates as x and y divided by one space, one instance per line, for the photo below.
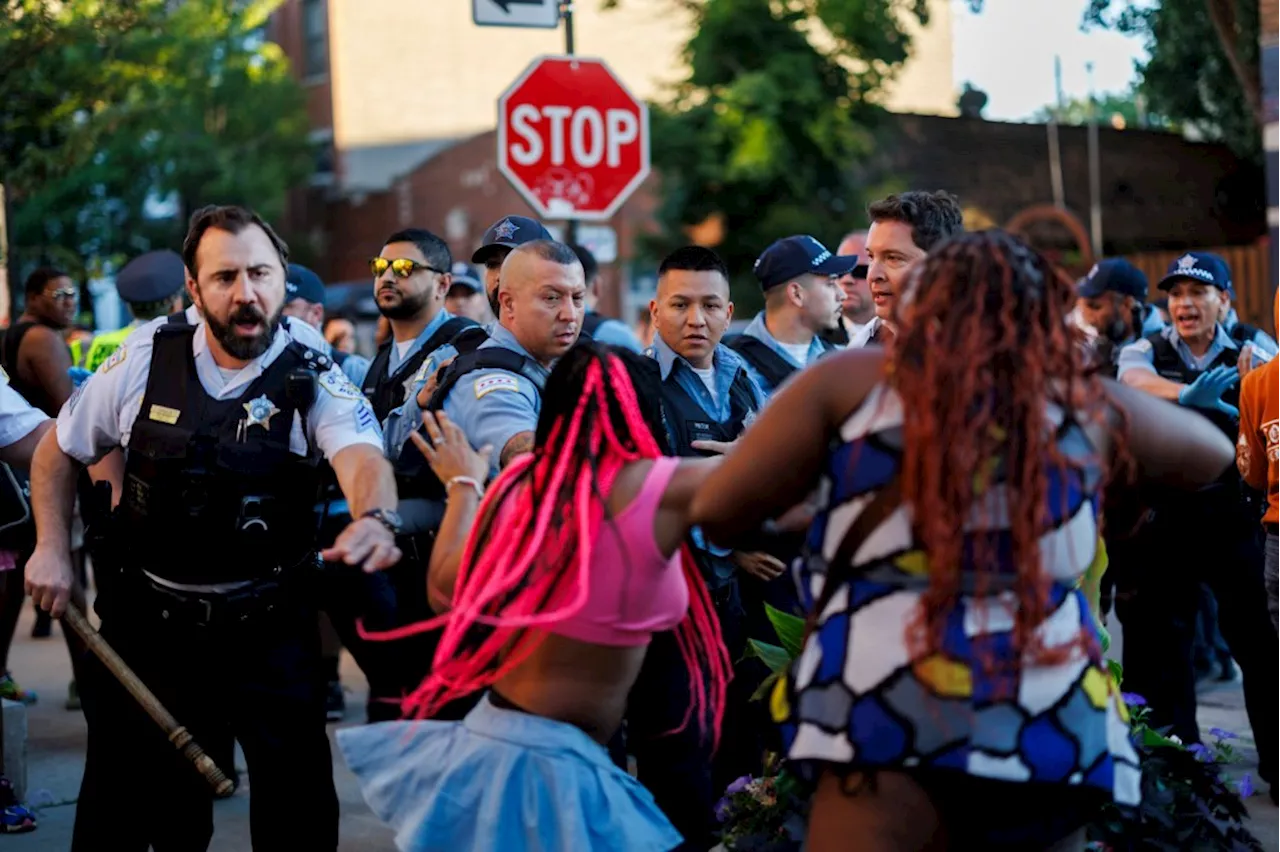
552 596
950 693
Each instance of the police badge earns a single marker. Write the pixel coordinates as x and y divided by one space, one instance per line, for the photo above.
260 412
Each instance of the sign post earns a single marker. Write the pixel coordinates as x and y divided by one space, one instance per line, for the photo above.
572 139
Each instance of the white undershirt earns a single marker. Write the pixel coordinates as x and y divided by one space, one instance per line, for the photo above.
798 351
402 347
708 377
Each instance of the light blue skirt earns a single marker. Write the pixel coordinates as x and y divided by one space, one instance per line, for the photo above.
501 780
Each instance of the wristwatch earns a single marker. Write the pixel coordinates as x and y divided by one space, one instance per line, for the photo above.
387 518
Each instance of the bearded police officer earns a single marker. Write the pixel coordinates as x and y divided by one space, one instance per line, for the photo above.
801 302
224 423
1211 536
1111 302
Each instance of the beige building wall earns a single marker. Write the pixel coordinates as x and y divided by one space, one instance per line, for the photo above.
408 72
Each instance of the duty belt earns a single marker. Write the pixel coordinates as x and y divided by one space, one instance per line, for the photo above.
204 609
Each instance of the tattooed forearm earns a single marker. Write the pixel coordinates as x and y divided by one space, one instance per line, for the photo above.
520 444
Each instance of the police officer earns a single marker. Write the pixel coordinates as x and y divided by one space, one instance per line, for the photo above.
224 423
466 296
1112 305
706 395
304 300
1210 536
801 302
503 236
596 325
151 285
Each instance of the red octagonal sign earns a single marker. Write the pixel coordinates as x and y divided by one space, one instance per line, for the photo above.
571 139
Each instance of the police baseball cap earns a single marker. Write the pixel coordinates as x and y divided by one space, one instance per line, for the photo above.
152 277
302 283
791 257
1114 275
465 276
509 232
1203 266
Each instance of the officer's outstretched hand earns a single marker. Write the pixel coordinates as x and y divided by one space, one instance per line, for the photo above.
49 578
760 565
365 542
1207 391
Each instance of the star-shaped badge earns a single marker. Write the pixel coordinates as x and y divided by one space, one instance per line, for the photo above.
505 230
260 412
1187 261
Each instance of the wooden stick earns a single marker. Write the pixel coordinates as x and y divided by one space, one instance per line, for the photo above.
177 734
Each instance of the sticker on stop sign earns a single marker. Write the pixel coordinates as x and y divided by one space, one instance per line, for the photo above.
571 139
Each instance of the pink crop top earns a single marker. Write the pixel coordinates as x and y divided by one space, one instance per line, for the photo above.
635 592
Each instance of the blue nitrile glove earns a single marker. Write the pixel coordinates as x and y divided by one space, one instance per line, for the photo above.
78 375
1207 391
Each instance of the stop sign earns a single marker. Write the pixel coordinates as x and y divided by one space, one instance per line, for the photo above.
571 139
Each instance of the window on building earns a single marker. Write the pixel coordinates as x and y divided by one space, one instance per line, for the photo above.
315 38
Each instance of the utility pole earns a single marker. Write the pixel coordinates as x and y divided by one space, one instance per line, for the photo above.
566 13
1095 172
1055 152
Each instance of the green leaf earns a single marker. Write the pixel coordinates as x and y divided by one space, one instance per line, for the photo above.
790 629
1151 739
774 657
1117 671
766 687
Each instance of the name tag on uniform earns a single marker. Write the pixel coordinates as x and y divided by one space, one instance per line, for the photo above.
164 414
700 431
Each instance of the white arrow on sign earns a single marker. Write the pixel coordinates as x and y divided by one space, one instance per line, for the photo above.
516 13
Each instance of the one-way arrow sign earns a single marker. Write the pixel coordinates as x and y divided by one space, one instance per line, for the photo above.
516 13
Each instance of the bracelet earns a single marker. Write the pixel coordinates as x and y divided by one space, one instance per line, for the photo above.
465 480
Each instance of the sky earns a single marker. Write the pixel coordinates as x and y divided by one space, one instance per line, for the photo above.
1007 51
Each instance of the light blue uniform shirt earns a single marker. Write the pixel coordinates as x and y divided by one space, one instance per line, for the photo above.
1151 321
760 331
1140 355
726 363
402 421
356 367
1262 342
493 406
613 332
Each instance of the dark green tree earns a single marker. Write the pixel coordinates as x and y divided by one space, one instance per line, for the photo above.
118 119
778 106
1202 69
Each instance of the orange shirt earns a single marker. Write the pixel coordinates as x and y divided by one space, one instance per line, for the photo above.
1259 442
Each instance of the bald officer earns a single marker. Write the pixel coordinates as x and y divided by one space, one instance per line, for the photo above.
224 423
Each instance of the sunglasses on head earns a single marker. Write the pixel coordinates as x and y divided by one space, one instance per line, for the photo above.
401 267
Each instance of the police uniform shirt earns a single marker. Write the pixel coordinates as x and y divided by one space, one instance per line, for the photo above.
492 406
355 366
614 333
18 418
1262 343
99 416
724 362
1151 321
760 331
401 422
1140 355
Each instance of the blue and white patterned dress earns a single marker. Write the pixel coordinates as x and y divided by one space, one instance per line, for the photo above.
855 696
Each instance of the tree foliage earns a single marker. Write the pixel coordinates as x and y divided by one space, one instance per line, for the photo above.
778 105
119 118
1202 69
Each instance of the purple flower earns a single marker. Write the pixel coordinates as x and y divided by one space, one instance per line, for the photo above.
1133 699
723 810
1245 787
738 785
1221 734
1201 752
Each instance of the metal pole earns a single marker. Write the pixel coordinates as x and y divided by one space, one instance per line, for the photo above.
566 12
1055 152
1095 169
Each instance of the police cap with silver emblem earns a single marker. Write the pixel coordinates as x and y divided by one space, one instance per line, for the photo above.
1203 266
791 257
302 283
152 277
1114 275
509 232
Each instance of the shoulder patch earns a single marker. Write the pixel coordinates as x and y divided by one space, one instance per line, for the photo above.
365 419
496 382
115 359
428 367
336 384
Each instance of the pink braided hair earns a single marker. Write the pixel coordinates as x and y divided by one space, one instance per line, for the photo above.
537 573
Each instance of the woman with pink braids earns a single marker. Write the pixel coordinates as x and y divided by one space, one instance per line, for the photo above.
551 586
